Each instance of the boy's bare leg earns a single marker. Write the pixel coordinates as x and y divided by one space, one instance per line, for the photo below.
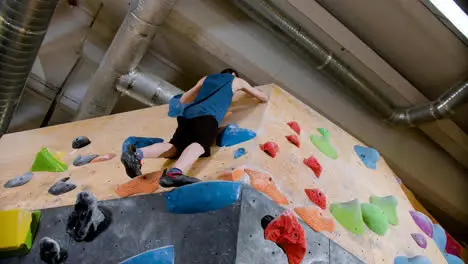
189 156
159 150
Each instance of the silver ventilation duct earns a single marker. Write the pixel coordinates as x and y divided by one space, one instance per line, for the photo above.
147 88
268 15
124 54
23 25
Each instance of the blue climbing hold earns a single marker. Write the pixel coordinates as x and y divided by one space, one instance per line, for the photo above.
140 142
176 108
202 197
162 255
452 259
440 238
369 156
239 153
233 134
414 260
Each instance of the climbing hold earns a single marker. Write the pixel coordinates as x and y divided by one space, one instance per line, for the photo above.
202 197
295 126
294 140
270 148
239 153
389 205
375 218
349 215
17 231
233 135
101 158
314 218
162 255
414 260
452 259
439 236
420 239
83 160
44 161
453 247
317 197
323 143
88 219
231 175
80 142
423 222
139 142
61 187
314 165
147 183
289 235
19 180
369 156
264 183
51 252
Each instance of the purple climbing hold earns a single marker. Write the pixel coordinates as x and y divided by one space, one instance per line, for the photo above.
420 239
423 222
233 134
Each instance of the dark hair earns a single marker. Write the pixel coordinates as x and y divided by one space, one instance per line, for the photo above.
230 71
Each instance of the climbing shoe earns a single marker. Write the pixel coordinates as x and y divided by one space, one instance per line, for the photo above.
175 179
131 162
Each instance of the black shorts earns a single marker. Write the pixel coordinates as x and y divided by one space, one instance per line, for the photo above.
201 130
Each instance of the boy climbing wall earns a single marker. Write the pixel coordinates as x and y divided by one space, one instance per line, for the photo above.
203 108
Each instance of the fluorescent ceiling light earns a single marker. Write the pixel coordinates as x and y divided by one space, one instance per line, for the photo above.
453 13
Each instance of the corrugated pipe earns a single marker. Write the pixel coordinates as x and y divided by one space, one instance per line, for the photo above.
124 54
147 88
268 15
23 25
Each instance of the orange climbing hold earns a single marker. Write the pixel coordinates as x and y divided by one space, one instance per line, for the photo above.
288 234
317 197
314 218
144 184
270 148
231 175
101 158
295 126
264 183
294 140
313 164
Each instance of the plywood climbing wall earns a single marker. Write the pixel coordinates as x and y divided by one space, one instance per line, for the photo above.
343 179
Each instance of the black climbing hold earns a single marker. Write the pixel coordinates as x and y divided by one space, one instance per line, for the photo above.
19 180
61 186
88 219
51 252
266 220
80 142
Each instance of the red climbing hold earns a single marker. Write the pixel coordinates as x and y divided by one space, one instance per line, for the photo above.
295 126
452 247
288 234
270 148
317 197
294 139
313 163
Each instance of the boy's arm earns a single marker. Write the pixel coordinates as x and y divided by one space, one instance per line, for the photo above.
246 87
191 94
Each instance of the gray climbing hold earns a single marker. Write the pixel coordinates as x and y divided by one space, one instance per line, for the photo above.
51 252
61 187
80 142
83 160
19 180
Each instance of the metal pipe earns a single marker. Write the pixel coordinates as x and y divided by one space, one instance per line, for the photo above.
23 25
124 54
268 15
147 88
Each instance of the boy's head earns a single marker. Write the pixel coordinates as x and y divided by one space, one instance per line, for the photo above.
230 71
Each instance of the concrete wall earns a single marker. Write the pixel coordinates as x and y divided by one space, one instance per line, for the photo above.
204 36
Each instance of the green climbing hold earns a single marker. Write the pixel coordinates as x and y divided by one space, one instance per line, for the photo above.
389 205
323 143
44 161
375 218
349 216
